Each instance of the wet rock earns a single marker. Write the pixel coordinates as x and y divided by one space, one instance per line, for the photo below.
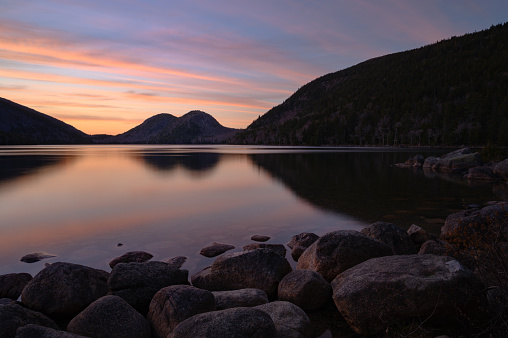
174 304
64 289
290 321
215 249
393 236
236 322
31 331
434 247
305 288
299 243
239 298
137 283
501 169
12 284
14 316
177 261
260 238
260 269
382 291
277 248
110 316
132 256
457 161
35 257
419 235
338 251
482 173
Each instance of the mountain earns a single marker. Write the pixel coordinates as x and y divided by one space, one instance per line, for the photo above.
452 92
22 125
195 127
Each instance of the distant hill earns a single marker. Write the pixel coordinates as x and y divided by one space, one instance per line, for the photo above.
22 125
195 127
452 92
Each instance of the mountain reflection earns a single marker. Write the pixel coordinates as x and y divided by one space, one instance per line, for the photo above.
195 162
365 185
17 166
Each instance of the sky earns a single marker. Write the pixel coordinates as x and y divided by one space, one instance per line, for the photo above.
106 66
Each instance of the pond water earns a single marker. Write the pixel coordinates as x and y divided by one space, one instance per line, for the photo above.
80 202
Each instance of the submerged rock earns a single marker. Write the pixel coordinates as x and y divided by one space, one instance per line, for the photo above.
132 256
299 243
260 238
215 249
383 291
239 298
12 284
35 257
393 236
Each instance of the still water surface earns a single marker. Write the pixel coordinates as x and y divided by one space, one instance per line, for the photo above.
79 202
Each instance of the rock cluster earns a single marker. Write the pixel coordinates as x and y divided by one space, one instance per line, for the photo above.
373 281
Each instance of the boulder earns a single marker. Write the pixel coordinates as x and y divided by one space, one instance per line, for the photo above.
215 249
299 243
176 261
132 256
239 298
290 321
340 250
260 238
501 169
35 257
110 316
457 161
64 289
305 288
482 173
430 162
236 322
31 331
387 290
260 269
434 247
416 161
12 284
419 236
393 236
137 283
277 248
173 304
14 316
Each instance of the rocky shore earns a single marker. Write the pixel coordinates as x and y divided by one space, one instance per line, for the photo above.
383 281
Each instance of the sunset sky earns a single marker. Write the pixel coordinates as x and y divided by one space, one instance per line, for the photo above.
105 66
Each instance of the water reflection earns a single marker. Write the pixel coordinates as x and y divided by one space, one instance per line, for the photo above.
198 163
13 167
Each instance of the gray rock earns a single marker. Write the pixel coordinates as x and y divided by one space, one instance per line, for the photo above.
290 321
110 316
419 235
305 288
459 160
12 284
260 238
434 247
416 161
430 162
35 257
393 236
242 322
14 316
299 243
137 283
277 248
239 298
31 331
482 173
215 249
64 289
132 256
340 250
174 304
501 169
382 291
177 261
260 269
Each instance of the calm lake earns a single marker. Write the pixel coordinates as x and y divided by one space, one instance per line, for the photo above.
80 202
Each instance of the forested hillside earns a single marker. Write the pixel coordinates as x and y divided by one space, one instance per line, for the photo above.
452 92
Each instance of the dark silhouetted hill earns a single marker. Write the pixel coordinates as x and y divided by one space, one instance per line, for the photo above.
146 132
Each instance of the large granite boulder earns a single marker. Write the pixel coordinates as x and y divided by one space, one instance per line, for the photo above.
501 169
14 316
340 250
387 290
12 284
242 322
132 256
174 304
64 289
260 269
137 283
239 298
278 248
305 288
393 236
458 161
36 331
110 316
290 321
299 243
